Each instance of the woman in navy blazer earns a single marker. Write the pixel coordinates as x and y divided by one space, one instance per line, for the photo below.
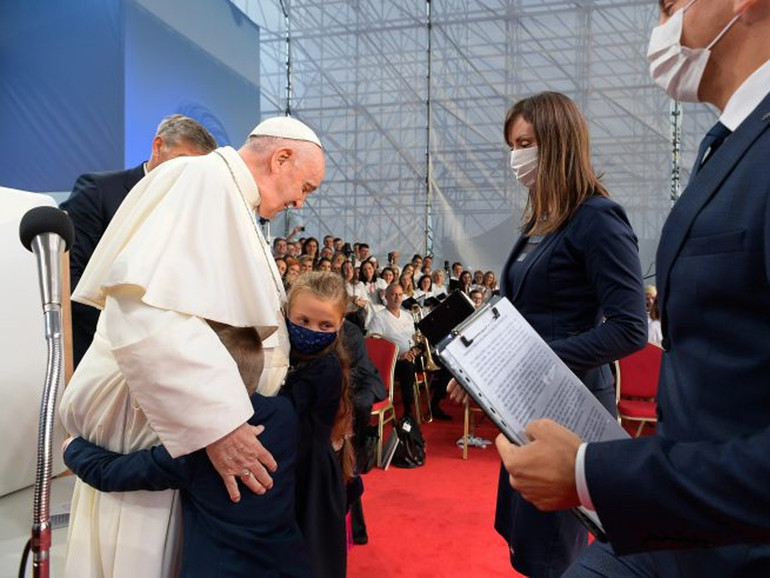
574 274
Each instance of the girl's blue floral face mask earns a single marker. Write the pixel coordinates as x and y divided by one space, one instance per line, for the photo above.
307 341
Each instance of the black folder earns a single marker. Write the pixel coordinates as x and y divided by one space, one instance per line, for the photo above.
446 316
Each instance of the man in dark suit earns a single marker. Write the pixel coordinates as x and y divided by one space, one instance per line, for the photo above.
694 500
96 197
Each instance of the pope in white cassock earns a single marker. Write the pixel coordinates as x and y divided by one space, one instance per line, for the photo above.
183 248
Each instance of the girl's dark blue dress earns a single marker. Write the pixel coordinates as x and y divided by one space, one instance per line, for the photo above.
315 386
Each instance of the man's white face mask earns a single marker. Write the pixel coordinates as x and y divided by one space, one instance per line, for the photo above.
524 165
675 68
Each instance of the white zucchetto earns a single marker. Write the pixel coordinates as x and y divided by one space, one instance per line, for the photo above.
286 127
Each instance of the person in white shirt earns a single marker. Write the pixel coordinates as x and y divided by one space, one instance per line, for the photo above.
439 283
358 307
398 325
386 277
424 289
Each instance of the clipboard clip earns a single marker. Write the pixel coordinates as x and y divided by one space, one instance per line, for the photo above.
467 341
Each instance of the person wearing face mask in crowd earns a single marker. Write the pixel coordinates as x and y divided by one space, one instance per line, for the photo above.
575 276
692 500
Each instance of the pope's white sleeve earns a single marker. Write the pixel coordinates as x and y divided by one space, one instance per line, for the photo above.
178 371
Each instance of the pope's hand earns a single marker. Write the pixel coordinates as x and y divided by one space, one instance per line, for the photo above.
239 454
543 471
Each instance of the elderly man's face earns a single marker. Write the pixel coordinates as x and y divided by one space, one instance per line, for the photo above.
295 172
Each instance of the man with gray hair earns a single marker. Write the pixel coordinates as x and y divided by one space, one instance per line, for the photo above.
184 250
96 197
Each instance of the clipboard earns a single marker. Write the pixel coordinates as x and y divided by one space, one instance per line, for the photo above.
515 378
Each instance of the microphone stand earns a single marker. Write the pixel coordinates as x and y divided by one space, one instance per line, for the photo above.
48 261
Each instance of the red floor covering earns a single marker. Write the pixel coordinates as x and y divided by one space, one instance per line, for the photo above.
434 521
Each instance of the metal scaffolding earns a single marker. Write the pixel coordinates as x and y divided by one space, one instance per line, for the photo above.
359 77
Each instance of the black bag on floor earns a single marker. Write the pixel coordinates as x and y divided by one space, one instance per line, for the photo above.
410 452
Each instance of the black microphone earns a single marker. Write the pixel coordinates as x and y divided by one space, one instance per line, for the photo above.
47 232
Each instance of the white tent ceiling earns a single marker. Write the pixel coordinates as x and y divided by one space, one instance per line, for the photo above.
360 76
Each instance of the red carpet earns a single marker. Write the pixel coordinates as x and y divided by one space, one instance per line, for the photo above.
435 520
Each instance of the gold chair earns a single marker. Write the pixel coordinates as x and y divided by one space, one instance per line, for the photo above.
383 353
469 425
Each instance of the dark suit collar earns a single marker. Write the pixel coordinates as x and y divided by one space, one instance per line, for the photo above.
535 254
133 176
702 187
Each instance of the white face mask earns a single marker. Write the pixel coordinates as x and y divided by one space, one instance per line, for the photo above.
524 165
675 68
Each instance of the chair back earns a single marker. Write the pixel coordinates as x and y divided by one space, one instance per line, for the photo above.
638 373
383 353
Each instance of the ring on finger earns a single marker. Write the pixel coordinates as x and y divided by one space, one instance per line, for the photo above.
246 473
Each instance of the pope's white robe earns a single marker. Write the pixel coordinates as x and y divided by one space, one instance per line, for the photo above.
182 248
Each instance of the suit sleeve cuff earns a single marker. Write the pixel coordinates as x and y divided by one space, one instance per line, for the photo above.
580 478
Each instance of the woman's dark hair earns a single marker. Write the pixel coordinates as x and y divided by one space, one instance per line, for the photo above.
362 277
565 176
305 243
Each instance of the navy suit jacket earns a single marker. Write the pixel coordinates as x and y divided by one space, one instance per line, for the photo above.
586 271
705 480
581 289
94 201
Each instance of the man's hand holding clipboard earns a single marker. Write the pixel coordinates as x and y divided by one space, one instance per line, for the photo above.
537 470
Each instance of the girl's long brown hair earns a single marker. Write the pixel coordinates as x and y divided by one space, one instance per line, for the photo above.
565 176
331 287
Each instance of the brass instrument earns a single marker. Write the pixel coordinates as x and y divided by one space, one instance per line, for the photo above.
430 365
